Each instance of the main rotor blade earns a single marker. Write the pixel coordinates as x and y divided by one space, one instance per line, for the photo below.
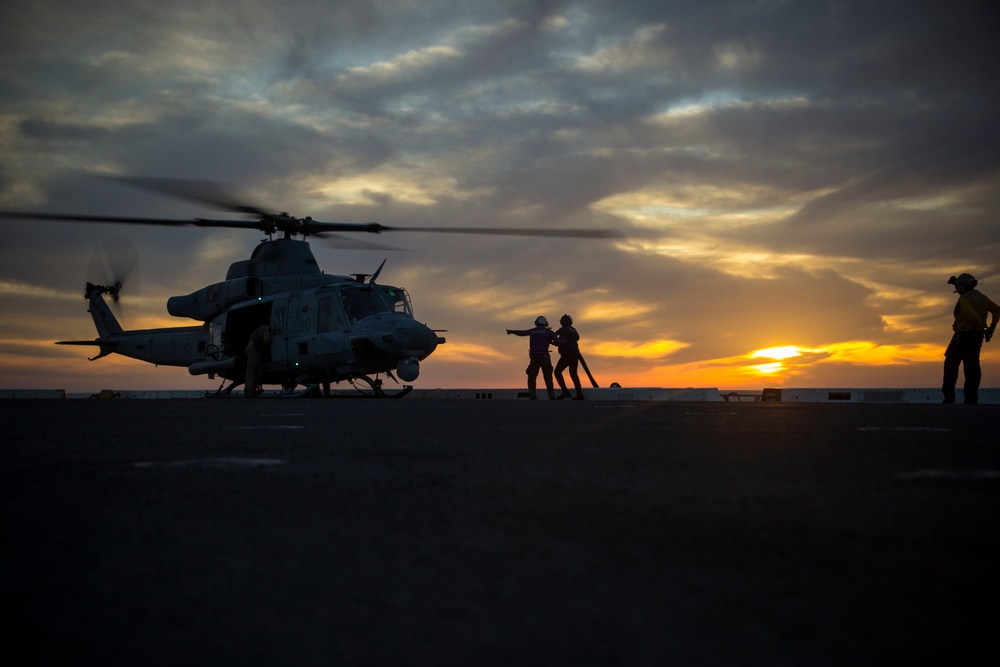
69 217
518 231
128 220
270 222
224 196
217 194
315 227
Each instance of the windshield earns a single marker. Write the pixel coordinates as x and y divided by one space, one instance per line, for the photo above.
362 302
398 299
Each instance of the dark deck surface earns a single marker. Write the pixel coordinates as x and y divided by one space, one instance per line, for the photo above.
323 532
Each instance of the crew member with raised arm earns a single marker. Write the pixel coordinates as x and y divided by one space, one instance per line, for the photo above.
541 336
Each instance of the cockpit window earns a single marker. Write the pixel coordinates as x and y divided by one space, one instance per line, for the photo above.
362 302
398 299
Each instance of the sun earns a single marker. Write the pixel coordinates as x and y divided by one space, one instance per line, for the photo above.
777 353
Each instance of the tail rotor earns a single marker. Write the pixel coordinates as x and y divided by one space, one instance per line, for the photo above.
114 270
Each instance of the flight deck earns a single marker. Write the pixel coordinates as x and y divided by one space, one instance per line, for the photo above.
498 532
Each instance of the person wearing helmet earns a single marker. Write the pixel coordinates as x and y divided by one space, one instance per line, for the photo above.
569 357
970 331
538 355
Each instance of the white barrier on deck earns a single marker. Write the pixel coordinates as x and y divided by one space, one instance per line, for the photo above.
990 396
793 395
619 394
32 393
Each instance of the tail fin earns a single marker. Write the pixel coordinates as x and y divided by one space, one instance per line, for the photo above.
105 321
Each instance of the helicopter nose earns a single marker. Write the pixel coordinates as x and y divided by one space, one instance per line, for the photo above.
414 339
402 337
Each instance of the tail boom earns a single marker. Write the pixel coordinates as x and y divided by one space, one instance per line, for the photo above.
169 346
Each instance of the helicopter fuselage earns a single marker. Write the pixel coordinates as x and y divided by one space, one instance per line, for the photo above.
324 328
333 332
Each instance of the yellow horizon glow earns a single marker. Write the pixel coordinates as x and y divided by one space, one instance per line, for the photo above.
768 369
468 353
789 361
782 352
653 350
630 363
856 353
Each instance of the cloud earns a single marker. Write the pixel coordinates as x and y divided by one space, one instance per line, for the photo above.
788 174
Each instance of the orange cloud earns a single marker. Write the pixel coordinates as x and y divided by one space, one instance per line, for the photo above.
653 350
614 310
467 353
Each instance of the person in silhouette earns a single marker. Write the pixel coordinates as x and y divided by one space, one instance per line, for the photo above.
569 357
541 337
257 346
970 330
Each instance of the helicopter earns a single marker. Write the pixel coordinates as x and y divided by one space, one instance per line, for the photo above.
324 328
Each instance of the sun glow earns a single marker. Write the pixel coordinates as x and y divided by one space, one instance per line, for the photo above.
768 369
776 366
793 360
783 352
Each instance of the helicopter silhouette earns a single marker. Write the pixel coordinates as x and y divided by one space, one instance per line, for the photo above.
324 328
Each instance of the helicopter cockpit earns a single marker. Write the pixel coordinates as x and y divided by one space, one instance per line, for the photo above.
398 299
364 301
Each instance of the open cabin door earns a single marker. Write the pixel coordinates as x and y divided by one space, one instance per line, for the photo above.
295 320
240 323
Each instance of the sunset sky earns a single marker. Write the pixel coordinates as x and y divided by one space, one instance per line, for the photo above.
795 180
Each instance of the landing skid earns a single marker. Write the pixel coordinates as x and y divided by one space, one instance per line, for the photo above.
226 391
223 390
365 386
374 388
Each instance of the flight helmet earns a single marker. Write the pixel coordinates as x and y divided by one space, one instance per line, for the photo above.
964 281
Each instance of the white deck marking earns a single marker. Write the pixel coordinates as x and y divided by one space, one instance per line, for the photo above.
949 474
931 429
210 463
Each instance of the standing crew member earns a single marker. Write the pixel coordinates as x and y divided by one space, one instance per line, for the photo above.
258 344
970 332
538 354
569 357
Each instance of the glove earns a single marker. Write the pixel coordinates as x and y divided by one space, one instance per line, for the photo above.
508 332
989 332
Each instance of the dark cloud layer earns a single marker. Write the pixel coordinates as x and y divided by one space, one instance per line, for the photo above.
788 173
